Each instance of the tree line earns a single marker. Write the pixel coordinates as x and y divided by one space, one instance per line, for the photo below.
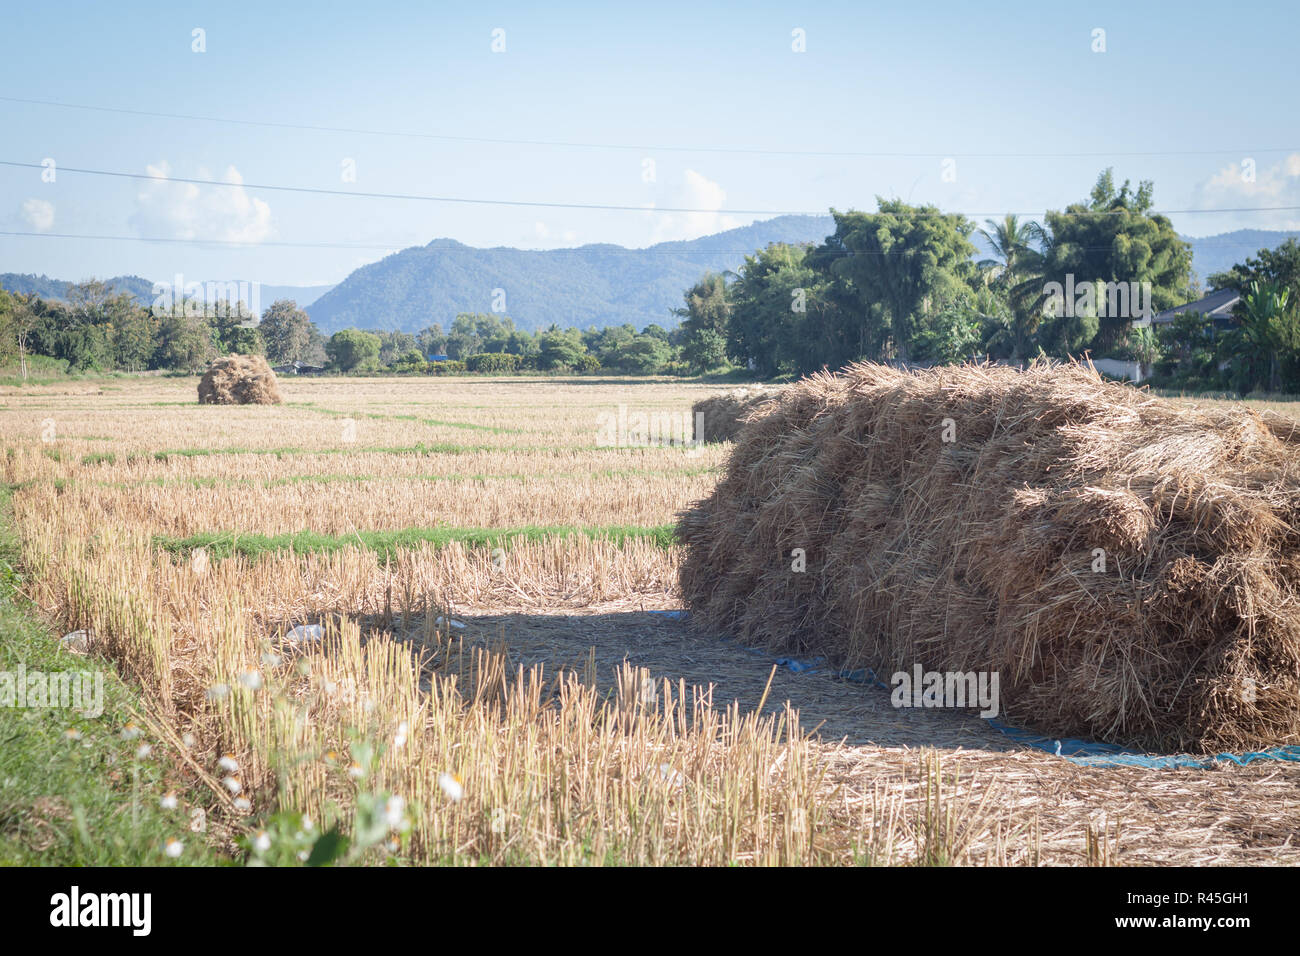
901 284
96 331
904 284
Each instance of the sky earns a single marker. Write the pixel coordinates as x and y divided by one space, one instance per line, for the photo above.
733 112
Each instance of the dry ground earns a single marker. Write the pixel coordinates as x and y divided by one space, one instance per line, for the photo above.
661 746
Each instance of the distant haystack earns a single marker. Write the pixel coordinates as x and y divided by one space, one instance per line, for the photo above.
239 380
1129 565
724 414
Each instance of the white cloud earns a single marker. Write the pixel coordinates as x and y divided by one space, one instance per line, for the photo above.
695 191
38 214
1251 182
550 237
193 211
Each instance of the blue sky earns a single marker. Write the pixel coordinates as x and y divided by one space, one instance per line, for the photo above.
934 80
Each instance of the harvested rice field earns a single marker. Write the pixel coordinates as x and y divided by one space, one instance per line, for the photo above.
445 599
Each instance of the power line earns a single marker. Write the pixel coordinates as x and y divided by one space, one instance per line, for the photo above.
604 207
416 197
197 242
604 250
640 147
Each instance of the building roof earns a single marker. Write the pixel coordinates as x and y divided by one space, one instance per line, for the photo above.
1217 305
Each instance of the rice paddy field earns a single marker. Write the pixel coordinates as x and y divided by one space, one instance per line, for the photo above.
485 567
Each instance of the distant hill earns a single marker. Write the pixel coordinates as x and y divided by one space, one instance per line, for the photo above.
142 289
1211 254
47 288
590 285
600 284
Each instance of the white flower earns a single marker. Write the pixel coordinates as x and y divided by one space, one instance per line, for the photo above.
306 823
451 786
243 804
188 740
233 784
130 732
395 812
302 856
355 771
228 762
168 800
261 842
271 660
173 847
143 751
218 691
72 733
251 679
399 740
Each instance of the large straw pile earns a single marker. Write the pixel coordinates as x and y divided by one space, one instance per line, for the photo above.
724 414
239 380
978 554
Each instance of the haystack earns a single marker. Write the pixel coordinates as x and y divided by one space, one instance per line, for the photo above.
1128 565
724 414
239 380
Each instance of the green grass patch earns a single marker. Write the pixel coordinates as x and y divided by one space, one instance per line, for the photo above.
420 448
435 422
224 544
99 458
73 791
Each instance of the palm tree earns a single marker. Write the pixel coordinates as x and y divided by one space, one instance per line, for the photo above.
1017 269
1266 327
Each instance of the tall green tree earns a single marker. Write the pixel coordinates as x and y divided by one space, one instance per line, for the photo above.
905 259
1016 270
353 350
20 318
471 333
431 340
132 334
1266 335
286 330
786 316
1114 237
184 343
560 348
705 320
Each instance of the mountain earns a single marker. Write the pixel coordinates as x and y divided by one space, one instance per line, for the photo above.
47 288
1211 254
590 285
142 289
600 284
